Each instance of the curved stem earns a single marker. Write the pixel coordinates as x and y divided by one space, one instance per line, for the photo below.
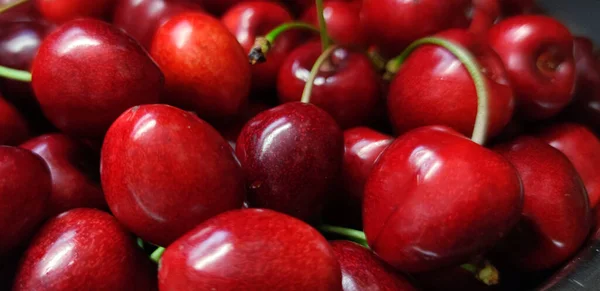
13 74
313 73
325 39
277 31
157 254
486 272
11 5
262 44
351 234
468 60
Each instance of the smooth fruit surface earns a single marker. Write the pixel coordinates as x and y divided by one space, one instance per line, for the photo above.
343 23
13 127
61 11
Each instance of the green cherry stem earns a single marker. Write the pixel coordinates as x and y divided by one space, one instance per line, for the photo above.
262 44
325 39
157 254
469 61
11 5
354 235
486 272
13 74
313 73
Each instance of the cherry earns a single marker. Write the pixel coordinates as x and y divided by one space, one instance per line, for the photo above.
206 69
362 270
582 148
250 249
141 18
87 73
347 87
393 24
24 190
84 249
231 129
537 52
165 170
343 22
74 170
22 12
247 21
291 156
435 199
556 218
13 127
61 11
433 87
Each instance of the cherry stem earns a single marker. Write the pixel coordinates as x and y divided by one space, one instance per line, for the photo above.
325 39
140 243
313 73
13 74
11 5
354 235
157 254
469 61
262 44
486 272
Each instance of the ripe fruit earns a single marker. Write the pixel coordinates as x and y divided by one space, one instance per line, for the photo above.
343 23
61 11
13 127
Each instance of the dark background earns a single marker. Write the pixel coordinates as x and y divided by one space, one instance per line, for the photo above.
582 16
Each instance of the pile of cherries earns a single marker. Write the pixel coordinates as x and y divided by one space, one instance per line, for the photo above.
293 145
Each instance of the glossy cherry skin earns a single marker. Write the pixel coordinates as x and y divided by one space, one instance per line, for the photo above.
250 249
343 23
348 88
24 191
362 270
249 20
87 73
436 199
291 155
556 217
84 249
393 25
13 127
537 52
205 67
165 170
587 95
433 87
74 168
61 11
582 147
141 18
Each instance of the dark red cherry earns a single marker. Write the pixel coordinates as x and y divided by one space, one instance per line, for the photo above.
25 187
141 18
556 218
75 171
205 67
537 52
435 199
343 23
88 72
84 249
164 171
433 87
231 129
363 270
250 249
291 155
347 87
24 12
587 95
249 20
13 127
61 11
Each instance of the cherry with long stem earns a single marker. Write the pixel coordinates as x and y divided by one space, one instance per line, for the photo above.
314 72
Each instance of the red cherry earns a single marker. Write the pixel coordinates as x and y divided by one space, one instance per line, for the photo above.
435 199
556 218
87 73
582 148
74 168
250 249
84 249
141 18
291 156
343 22
24 190
231 129
206 69
347 88
362 270
392 25
587 96
61 11
537 52
13 127
165 170
433 87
